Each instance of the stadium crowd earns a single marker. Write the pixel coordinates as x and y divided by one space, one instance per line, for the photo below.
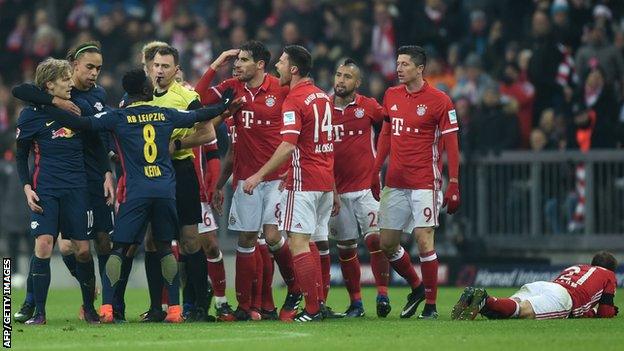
527 69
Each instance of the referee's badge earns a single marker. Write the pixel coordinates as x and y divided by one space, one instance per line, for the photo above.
359 112
270 101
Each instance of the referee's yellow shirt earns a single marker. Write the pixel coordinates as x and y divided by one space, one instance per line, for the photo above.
180 98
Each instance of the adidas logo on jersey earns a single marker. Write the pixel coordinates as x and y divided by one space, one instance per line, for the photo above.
394 108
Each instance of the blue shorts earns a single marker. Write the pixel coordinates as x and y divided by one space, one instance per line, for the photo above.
64 211
103 216
134 215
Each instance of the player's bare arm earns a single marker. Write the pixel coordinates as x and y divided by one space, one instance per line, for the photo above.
283 152
227 165
224 58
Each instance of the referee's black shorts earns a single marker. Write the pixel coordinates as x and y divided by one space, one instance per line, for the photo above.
187 192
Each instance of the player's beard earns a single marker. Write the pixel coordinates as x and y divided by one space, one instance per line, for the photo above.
342 94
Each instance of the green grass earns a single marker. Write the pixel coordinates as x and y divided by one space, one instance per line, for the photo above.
65 332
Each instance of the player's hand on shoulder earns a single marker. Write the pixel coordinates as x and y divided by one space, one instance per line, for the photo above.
451 197
66 105
32 199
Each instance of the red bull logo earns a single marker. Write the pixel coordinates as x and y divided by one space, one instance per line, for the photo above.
62 133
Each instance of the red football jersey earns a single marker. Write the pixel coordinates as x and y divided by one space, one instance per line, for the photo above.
307 120
354 143
256 126
586 284
202 172
418 120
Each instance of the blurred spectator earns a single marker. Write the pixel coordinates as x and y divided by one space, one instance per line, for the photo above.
383 42
438 75
493 128
523 92
605 53
543 65
596 113
473 83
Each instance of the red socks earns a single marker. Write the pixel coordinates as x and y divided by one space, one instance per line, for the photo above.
267 277
284 261
256 287
306 272
350 266
379 263
216 272
245 275
401 263
508 308
429 268
318 273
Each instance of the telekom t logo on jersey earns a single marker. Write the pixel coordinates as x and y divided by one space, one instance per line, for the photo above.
247 118
397 126
338 130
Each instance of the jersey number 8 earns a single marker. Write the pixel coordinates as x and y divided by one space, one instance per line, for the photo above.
149 149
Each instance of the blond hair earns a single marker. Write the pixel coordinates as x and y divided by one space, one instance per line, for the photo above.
149 50
50 70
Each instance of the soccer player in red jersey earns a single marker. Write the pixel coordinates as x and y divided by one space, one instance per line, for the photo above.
207 167
354 153
307 142
582 291
254 135
421 123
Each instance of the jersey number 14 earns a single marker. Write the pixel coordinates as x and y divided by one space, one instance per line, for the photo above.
326 124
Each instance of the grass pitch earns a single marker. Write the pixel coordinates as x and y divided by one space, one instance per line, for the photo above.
65 332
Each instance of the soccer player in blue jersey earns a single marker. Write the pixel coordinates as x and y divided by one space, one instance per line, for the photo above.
88 99
57 189
141 133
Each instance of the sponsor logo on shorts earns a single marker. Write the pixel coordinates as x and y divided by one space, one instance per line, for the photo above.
232 220
298 226
34 225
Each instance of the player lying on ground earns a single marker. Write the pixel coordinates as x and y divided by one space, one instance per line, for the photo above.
582 291
142 135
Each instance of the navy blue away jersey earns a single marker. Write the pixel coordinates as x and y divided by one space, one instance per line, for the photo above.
59 159
90 102
141 133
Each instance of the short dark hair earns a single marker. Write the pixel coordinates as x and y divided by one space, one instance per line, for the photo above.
134 82
605 260
167 50
258 51
300 57
76 51
415 52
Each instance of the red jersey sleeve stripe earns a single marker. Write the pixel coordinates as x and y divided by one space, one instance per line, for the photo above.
216 91
450 130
